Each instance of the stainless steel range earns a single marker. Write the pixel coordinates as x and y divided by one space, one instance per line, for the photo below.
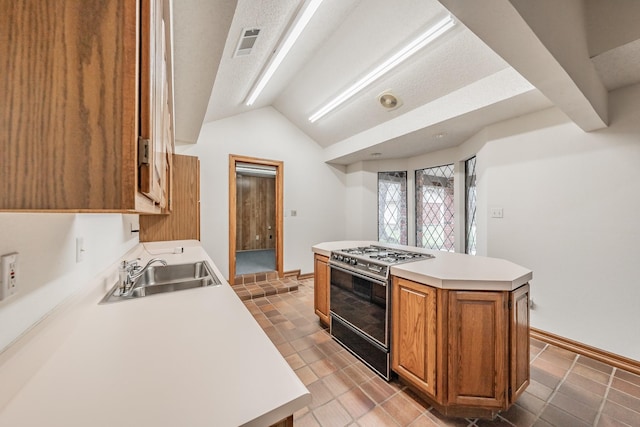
359 295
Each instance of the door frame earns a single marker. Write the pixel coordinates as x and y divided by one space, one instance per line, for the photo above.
279 166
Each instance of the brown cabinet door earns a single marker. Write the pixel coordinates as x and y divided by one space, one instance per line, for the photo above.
156 103
414 323
321 286
184 221
519 342
478 349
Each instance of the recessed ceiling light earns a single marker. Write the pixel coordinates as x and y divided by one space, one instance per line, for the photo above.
389 101
390 63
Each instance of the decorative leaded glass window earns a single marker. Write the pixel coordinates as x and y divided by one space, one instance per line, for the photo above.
392 207
470 205
435 208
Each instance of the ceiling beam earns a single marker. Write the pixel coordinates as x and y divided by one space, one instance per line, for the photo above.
545 41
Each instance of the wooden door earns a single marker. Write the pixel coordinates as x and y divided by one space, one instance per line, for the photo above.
321 288
414 340
519 342
256 212
478 349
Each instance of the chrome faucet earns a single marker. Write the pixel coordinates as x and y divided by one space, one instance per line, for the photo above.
129 271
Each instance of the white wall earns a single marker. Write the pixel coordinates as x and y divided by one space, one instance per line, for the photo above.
571 205
311 187
48 272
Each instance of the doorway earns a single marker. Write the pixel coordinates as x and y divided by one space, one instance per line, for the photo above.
255 216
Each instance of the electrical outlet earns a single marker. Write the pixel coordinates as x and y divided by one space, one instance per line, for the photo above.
294 213
497 213
9 275
257 237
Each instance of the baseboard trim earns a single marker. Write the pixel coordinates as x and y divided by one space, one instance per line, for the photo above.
612 359
305 276
292 273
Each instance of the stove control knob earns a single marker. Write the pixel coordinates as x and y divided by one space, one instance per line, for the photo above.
346 259
353 261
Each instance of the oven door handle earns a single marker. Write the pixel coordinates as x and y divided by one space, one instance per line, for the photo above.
357 274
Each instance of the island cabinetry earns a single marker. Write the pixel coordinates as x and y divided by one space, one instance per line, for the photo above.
86 122
467 352
414 341
321 286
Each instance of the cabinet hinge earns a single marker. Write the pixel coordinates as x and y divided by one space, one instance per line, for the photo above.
143 151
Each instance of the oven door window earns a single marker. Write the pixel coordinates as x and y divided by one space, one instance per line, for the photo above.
361 302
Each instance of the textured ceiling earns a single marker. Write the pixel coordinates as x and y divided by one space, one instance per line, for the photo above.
502 59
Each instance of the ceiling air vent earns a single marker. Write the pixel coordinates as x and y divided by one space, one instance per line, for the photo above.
248 38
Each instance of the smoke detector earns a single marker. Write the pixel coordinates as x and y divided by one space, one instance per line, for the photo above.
389 101
247 40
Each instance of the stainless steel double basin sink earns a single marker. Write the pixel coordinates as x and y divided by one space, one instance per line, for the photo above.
166 278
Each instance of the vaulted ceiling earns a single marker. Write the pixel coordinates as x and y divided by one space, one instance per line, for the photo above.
503 58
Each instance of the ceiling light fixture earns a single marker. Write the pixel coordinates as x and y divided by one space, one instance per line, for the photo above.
394 60
302 19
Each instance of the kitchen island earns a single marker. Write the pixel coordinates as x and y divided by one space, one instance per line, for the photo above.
459 326
194 358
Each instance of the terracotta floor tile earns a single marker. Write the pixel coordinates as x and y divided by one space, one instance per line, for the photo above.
423 421
625 400
539 390
332 414
592 374
519 417
295 361
565 389
306 375
378 389
307 420
323 367
627 387
320 394
620 413
403 410
338 383
356 402
576 408
377 417
594 364
628 377
580 394
558 417
531 403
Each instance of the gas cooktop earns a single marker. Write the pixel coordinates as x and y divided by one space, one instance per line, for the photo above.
374 259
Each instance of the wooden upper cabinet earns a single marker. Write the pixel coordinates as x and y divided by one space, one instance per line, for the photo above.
71 112
156 102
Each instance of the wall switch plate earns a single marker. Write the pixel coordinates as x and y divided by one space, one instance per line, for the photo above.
294 213
497 213
8 275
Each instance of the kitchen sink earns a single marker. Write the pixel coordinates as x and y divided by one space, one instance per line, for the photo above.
166 278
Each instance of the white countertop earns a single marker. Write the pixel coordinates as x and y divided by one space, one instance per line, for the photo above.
188 358
448 270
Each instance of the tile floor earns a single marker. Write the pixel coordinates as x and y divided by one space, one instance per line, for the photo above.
566 389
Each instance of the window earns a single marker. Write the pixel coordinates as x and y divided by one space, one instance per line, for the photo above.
392 207
470 206
435 208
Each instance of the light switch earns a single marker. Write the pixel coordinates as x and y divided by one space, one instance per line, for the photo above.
497 213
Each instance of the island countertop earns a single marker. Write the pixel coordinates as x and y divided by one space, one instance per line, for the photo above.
194 358
448 270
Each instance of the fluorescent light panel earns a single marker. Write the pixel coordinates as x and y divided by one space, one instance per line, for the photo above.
396 59
301 21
